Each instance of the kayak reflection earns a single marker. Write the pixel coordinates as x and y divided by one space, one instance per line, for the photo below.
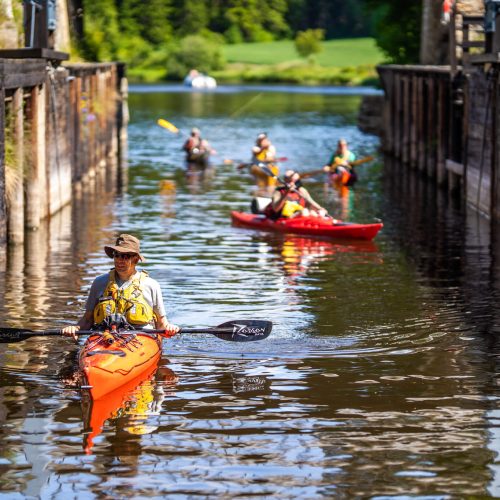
343 198
299 254
131 407
198 178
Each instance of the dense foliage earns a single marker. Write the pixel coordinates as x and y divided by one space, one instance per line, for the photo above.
308 42
167 37
397 27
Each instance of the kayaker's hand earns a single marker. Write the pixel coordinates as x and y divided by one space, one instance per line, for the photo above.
71 331
326 168
322 212
171 330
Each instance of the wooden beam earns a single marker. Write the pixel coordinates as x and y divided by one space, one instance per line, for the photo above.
456 168
25 73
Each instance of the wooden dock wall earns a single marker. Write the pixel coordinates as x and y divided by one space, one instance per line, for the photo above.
61 132
445 124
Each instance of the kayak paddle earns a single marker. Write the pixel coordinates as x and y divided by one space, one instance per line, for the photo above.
234 331
167 125
270 173
249 164
355 163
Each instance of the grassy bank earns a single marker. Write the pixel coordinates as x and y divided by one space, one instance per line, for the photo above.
335 53
341 62
297 73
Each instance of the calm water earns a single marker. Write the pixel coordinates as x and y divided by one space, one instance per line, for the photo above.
379 379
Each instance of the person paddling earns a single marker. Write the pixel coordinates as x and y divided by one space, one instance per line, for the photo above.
292 200
197 150
264 153
124 293
339 167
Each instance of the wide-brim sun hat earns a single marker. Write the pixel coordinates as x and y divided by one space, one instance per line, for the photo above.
125 243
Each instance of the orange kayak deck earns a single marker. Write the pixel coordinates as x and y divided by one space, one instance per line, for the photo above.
108 366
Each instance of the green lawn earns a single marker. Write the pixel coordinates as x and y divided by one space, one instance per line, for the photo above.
336 53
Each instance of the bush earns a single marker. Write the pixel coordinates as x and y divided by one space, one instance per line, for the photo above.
195 51
308 43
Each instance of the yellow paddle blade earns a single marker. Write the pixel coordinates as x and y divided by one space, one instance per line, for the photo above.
228 161
169 126
167 186
366 159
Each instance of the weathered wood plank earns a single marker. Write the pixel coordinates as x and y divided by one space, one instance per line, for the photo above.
431 129
59 153
16 74
3 207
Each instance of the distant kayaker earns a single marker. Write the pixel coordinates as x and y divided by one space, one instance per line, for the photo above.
197 150
125 292
339 167
264 153
292 200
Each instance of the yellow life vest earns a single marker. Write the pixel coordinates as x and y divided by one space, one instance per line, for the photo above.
129 302
290 208
262 155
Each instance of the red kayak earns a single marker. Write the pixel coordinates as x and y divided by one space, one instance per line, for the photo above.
310 226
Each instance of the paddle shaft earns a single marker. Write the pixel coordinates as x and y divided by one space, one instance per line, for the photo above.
48 333
355 163
237 331
265 162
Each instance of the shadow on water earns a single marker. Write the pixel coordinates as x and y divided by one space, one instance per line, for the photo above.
380 376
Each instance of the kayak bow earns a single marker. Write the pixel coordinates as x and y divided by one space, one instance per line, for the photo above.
108 362
309 226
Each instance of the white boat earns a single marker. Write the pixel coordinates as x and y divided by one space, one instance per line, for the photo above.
198 80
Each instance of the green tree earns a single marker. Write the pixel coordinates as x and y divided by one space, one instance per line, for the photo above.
308 43
339 18
190 16
397 28
100 29
194 51
148 19
255 20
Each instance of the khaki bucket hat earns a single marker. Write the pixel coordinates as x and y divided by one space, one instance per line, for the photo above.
125 243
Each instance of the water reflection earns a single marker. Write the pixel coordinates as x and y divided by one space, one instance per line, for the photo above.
133 408
380 376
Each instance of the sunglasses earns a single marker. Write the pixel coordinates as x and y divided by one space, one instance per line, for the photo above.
125 256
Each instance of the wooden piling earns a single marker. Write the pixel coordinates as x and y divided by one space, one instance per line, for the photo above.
15 200
35 179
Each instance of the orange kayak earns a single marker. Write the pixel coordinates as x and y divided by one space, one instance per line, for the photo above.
108 362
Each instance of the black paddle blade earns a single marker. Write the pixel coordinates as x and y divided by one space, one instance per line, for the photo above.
246 330
10 335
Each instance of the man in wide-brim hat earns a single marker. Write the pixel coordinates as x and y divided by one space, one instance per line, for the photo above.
132 294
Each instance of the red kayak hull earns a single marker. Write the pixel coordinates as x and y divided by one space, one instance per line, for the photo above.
108 367
310 226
